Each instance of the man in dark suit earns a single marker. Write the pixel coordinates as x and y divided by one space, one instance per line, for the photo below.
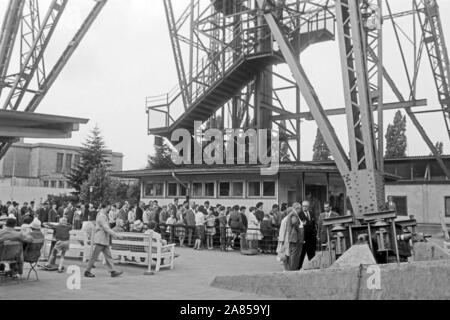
328 213
310 227
140 211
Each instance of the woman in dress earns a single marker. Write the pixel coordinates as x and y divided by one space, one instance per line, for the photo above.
170 223
254 234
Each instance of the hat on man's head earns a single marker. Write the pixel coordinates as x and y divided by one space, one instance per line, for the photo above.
63 220
11 222
11 216
138 223
36 224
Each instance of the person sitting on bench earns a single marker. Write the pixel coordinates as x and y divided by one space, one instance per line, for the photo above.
62 236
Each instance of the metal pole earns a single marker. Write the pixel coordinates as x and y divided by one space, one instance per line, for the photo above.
329 244
370 236
13 175
351 234
395 241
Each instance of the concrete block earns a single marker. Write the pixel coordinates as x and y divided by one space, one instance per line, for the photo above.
427 251
322 260
355 256
417 280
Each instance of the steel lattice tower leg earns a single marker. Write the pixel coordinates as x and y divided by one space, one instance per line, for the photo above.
359 99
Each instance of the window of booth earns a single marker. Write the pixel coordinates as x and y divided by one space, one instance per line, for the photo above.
224 189
210 189
420 171
269 189
149 190
447 207
46 184
154 189
172 189
197 189
53 184
159 189
61 184
404 171
183 191
238 189
254 189
436 172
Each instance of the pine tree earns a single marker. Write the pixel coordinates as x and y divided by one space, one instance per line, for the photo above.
321 151
103 188
162 159
92 156
396 141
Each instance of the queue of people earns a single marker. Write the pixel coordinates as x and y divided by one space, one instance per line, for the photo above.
291 232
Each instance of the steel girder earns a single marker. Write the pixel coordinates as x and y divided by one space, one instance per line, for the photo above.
372 22
433 37
35 39
10 28
173 31
307 90
46 83
354 41
364 181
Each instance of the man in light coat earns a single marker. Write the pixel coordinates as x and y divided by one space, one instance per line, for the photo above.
103 235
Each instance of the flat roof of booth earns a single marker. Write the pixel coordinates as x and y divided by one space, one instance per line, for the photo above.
17 124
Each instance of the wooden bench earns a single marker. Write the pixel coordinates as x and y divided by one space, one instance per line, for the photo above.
137 248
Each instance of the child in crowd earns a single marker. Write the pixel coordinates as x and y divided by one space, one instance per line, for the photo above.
199 227
210 229
181 226
170 226
62 236
131 216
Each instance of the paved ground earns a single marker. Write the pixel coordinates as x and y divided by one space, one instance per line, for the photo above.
191 278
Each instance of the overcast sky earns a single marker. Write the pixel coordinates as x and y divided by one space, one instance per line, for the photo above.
126 56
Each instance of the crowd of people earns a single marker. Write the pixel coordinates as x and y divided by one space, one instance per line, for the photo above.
291 232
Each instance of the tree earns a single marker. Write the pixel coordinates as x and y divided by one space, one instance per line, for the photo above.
396 141
103 187
162 159
134 193
61 199
320 149
439 147
92 156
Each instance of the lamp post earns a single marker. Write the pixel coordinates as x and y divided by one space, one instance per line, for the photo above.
91 190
